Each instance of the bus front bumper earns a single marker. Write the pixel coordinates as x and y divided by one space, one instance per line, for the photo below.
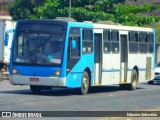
37 80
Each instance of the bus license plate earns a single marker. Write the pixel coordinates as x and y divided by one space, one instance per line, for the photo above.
34 79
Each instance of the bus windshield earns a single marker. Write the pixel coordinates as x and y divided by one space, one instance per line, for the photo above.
38 48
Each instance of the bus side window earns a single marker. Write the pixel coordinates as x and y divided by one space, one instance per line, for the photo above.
107 42
150 42
75 47
133 42
87 40
143 42
74 43
115 41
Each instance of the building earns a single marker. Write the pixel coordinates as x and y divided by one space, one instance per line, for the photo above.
4 14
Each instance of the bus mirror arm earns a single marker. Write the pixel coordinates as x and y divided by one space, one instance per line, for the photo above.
6 39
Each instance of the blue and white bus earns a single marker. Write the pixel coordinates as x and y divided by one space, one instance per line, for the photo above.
55 53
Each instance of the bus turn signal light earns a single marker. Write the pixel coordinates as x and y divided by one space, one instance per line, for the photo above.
15 72
57 73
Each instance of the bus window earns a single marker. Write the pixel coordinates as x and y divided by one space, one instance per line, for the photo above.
75 47
39 48
74 43
115 41
20 43
150 42
107 43
87 40
143 42
133 42
74 31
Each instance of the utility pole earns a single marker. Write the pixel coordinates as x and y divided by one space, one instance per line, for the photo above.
69 8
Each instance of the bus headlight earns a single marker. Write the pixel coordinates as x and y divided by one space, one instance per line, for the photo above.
56 74
15 72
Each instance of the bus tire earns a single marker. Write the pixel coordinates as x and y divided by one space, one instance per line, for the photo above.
35 89
85 83
134 80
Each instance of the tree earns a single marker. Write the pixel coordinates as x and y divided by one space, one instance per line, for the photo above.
128 14
48 11
23 9
86 10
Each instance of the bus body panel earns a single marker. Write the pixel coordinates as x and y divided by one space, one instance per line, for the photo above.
139 60
36 71
121 27
74 77
37 80
111 66
155 49
111 69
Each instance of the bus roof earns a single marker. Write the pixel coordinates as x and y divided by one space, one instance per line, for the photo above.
121 27
63 22
88 24
50 21
80 24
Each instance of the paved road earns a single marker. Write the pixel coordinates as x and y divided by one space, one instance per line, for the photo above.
110 98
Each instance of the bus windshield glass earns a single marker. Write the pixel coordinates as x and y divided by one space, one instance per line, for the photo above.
38 47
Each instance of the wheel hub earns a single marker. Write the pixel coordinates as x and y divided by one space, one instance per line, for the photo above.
85 83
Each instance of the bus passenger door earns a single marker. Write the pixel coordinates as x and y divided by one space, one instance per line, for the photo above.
123 57
98 58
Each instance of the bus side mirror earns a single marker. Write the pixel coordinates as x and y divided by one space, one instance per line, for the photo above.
6 39
74 45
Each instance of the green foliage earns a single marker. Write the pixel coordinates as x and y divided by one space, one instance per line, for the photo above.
23 9
86 10
135 15
48 11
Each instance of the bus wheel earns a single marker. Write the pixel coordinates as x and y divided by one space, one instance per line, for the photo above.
35 89
134 80
85 83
